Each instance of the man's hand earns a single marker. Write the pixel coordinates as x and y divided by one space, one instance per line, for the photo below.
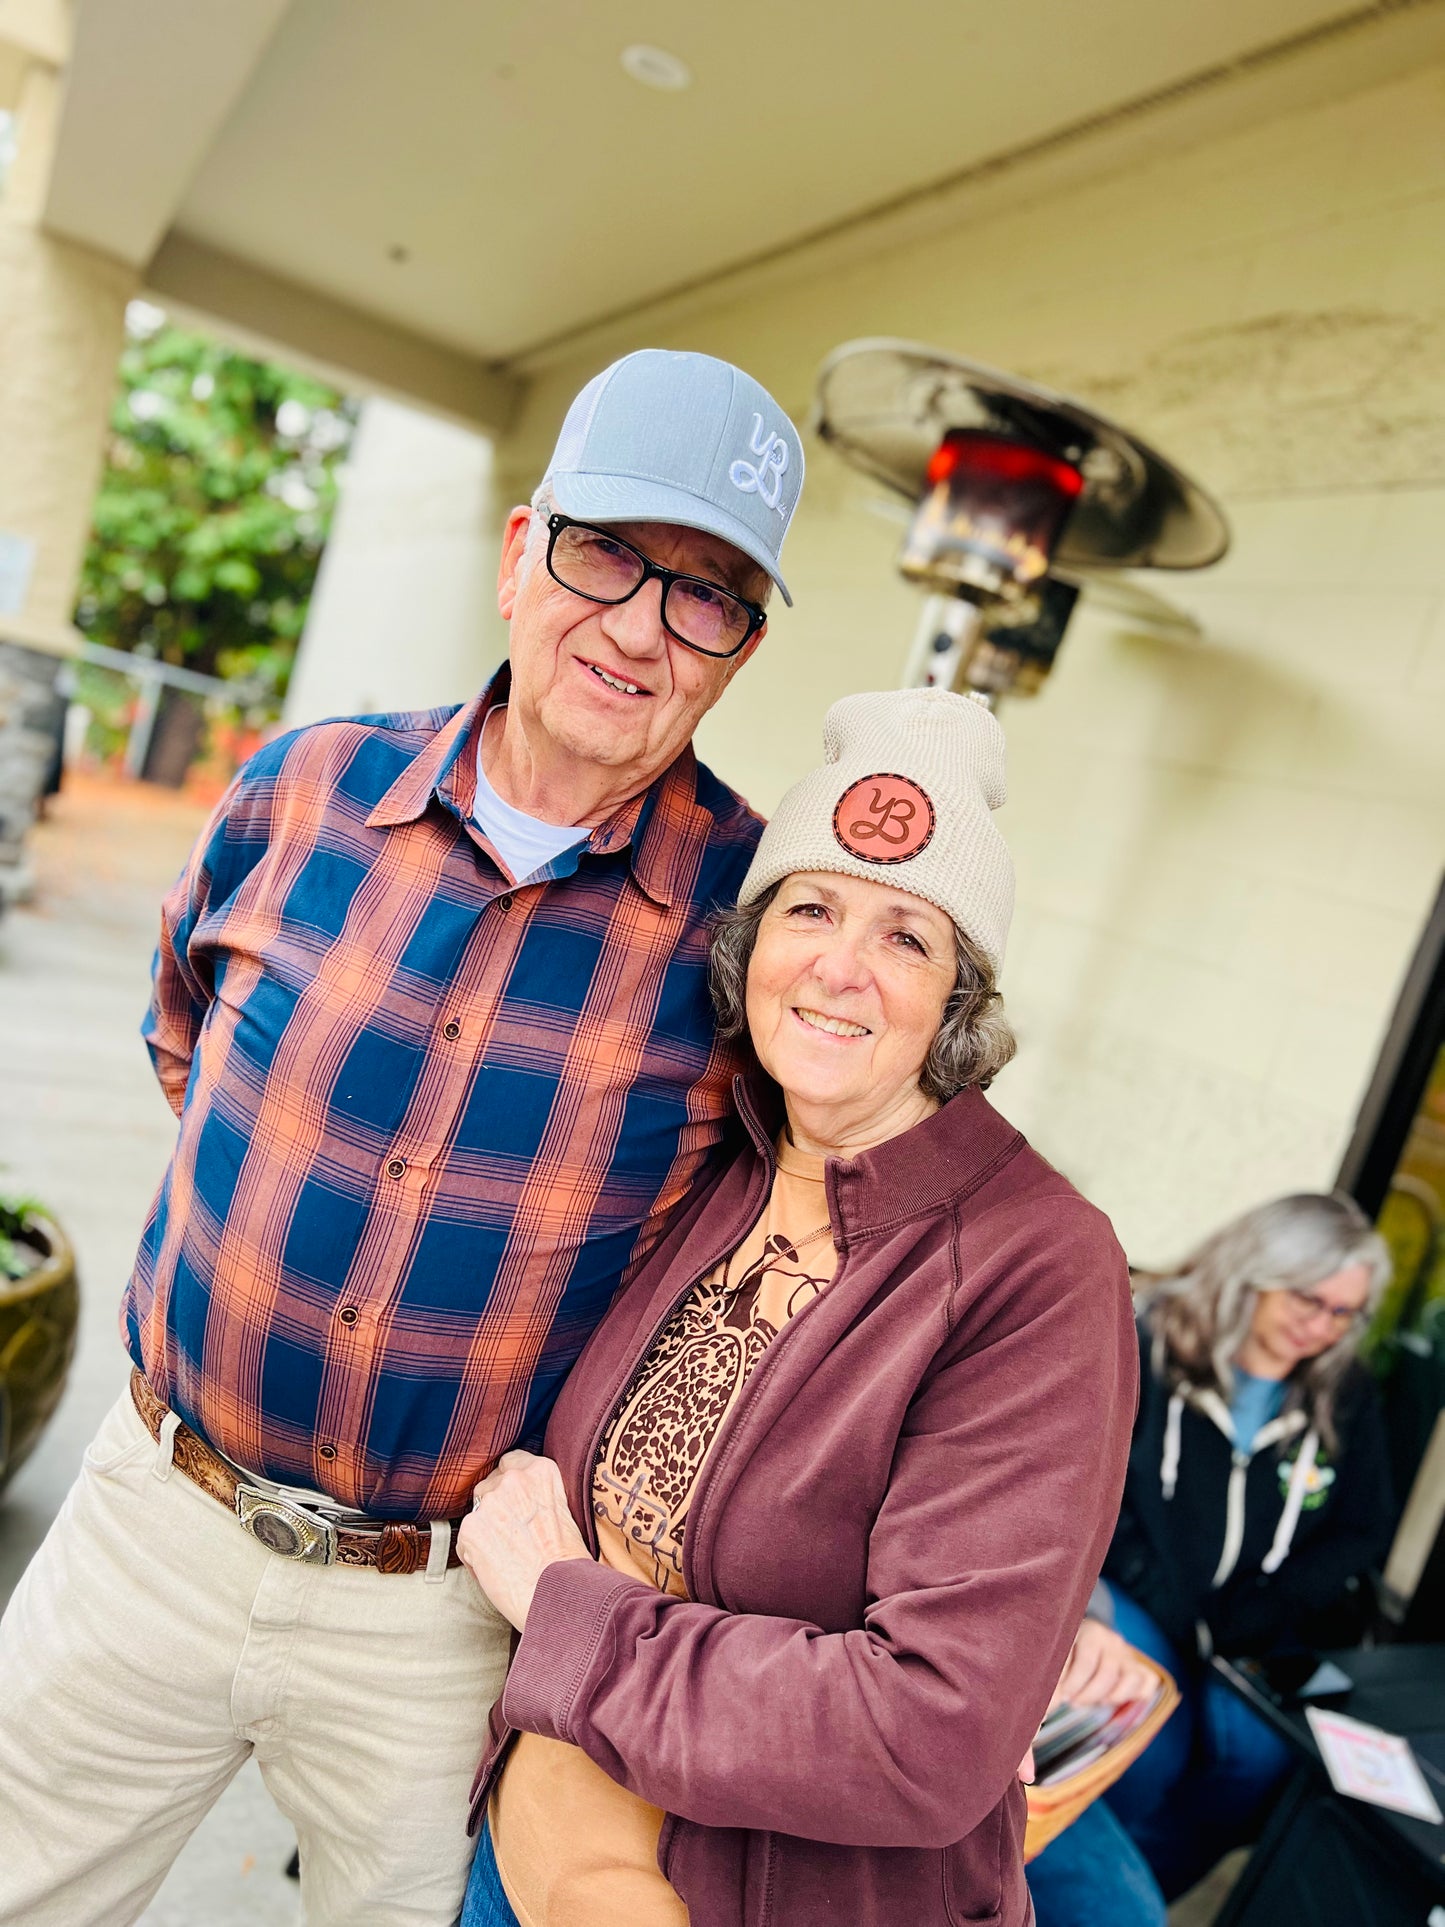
518 1525
1102 1670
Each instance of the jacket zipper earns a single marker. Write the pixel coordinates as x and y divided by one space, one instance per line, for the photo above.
730 1420
589 1526
1211 1406
1233 1517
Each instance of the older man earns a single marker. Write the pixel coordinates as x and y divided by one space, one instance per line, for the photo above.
431 1006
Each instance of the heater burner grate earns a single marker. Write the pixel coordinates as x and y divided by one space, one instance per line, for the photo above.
887 405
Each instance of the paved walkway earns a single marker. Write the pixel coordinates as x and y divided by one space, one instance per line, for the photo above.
83 1126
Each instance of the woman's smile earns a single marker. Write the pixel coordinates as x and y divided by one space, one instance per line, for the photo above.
831 1026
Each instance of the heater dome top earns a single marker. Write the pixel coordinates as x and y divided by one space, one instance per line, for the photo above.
885 405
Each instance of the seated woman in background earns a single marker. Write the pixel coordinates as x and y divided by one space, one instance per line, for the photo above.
844 1455
1257 1489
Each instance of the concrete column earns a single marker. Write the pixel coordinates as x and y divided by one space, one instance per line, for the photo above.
404 613
62 316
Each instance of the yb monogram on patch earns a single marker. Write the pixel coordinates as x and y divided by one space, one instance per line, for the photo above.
884 819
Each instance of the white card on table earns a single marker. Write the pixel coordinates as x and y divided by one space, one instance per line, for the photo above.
1369 1764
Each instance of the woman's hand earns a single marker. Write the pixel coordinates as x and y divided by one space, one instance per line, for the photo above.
1102 1670
518 1525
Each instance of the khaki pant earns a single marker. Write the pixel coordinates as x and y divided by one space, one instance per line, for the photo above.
152 1647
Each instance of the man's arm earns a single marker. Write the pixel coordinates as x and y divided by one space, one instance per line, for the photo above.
182 984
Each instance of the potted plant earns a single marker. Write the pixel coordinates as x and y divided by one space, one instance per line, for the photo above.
39 1311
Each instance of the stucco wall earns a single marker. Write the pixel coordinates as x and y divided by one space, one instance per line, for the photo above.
1226 849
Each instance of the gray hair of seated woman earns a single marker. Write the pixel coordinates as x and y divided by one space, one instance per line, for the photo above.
973 1041
1200 1313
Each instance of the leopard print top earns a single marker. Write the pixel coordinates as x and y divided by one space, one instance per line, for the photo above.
656 1441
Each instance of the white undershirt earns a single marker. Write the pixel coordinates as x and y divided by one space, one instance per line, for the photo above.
524 843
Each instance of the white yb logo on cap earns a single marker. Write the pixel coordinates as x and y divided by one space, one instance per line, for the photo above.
766 479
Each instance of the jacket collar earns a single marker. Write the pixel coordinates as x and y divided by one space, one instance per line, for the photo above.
936 1164
659 828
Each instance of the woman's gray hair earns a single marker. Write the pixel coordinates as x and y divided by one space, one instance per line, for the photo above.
974 1039
1201 1312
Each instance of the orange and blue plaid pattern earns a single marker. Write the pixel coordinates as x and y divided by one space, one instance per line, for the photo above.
428 1118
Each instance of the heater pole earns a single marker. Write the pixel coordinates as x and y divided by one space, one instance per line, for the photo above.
942 642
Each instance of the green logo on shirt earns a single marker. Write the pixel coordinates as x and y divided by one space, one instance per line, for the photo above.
1317 1484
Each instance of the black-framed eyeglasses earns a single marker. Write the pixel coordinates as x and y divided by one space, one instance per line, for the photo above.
1342 1318
701 615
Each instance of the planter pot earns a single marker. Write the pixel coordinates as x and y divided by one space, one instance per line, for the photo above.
38 1318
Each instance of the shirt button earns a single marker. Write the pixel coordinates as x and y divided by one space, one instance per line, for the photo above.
396 1167
347 1314
504 903
327 1451
452 1029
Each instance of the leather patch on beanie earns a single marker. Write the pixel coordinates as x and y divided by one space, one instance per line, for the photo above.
884 819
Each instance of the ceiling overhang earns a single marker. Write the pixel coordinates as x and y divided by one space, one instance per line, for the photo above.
265 313
407 242
148 86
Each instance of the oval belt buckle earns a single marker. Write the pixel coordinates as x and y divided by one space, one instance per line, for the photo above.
284 1529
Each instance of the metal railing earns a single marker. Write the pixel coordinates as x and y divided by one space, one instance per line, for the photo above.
153 676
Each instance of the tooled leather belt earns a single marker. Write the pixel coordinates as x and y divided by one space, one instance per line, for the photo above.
289 1530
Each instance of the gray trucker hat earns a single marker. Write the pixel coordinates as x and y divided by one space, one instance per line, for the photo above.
664 437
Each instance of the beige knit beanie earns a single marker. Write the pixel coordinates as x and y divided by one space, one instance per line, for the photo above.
905 795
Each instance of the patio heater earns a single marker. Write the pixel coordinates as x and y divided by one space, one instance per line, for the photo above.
1020 500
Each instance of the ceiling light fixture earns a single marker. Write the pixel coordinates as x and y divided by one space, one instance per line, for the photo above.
656 67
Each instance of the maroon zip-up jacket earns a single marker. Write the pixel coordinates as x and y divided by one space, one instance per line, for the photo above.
888 1552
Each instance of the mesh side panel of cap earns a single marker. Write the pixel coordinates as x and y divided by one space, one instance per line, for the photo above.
578 423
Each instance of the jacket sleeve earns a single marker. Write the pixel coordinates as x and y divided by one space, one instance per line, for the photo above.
182 984
1257 1609
1136 1564
982 1556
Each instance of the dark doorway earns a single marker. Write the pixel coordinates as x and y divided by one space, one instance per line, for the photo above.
1395 1167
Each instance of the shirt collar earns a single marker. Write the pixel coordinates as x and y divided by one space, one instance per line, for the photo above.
654 827
440 769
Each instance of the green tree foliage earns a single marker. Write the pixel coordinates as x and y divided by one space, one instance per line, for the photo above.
219 483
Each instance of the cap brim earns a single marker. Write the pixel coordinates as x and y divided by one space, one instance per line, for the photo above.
621 498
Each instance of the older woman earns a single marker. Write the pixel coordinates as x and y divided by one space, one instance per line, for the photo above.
1258 1487
844 1455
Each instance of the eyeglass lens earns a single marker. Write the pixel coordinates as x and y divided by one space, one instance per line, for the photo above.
596 565
1338 1315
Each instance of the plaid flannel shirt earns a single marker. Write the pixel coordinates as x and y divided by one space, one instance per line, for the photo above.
428 1118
